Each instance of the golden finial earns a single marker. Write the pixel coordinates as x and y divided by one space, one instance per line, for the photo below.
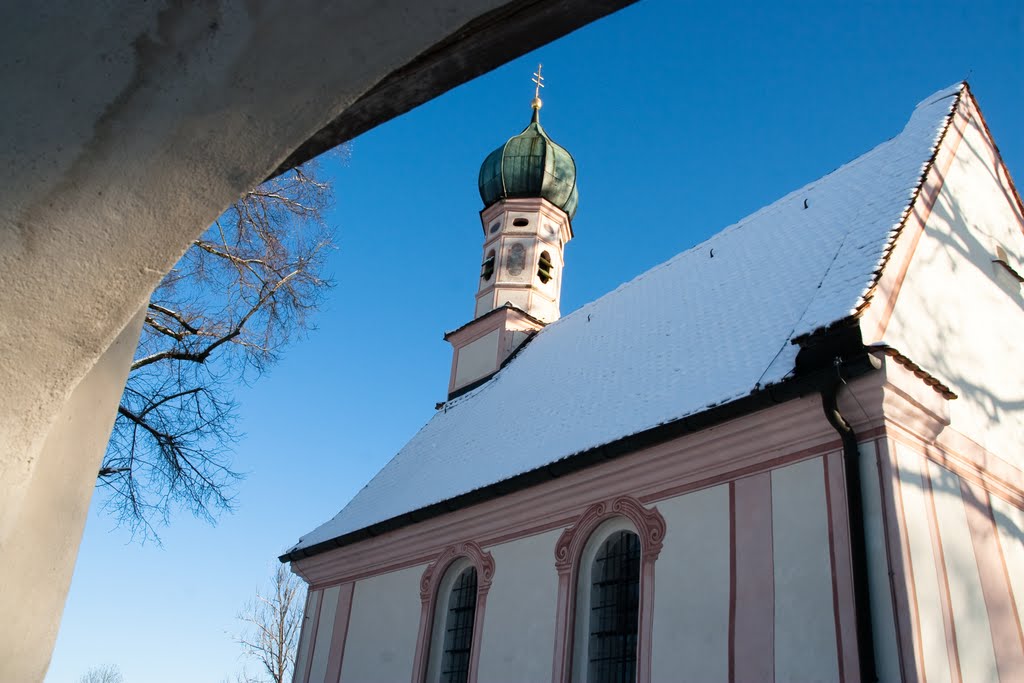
539 80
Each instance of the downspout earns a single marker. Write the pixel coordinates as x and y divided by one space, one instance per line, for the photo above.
855 515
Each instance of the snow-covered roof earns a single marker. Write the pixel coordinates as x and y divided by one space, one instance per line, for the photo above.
694 332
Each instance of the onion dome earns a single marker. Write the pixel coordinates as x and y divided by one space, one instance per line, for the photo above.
530 165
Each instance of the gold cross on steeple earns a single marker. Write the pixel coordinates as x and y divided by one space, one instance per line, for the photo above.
539 80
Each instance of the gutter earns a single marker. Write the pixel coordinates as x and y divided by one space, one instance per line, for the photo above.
811 376
855 516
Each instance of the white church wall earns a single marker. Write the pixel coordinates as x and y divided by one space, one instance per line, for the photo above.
519 621
967 601
958 314
477 358
383 627
805 623
887 662
744 571
935 655
691 609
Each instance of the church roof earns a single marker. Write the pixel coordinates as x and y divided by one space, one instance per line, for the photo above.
712 325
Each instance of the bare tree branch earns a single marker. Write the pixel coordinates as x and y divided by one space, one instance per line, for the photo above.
272 625
239 295
107 673
203 355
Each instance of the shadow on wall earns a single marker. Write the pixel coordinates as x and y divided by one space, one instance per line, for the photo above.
966 355
963 569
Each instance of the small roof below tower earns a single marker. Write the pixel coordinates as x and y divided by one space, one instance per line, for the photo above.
530 164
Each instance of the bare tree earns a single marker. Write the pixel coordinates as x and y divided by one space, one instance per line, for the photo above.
272 624
108 673
240 293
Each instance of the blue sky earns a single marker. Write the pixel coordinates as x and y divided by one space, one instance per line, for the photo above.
682 120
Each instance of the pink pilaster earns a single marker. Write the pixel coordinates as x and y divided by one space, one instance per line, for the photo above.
945 599
1004 622
842 567
753 625
340 632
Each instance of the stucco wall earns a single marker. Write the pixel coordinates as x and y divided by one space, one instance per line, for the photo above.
805 625
965 551
519 623
321 644
38 550
745 571
477 358
932 645
691 609
308 632
382 629
967 600
128 127
883 620
1010 532
959 315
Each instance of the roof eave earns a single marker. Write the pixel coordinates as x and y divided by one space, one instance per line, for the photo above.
811 376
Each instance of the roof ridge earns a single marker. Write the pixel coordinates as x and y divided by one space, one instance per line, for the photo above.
864 299
777 205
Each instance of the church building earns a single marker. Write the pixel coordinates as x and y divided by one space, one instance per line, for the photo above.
790 453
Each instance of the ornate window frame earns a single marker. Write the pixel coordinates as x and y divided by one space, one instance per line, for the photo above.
649 525
468 554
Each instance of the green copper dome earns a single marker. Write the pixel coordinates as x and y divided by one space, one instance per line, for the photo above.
530 165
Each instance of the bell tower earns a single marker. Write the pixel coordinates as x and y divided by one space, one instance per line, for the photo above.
528 187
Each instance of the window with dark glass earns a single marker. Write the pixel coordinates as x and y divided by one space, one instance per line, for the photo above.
614 610
458 633
544 267
487 268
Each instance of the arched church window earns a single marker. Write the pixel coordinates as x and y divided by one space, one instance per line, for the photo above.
458 631
545 267
453 595
614 610
487 268
605 563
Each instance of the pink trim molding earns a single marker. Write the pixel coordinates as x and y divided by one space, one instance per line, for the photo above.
483 562
314 624
753 627
843 606
761 441
945 597
650 526
340 633
901 566
1004 622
